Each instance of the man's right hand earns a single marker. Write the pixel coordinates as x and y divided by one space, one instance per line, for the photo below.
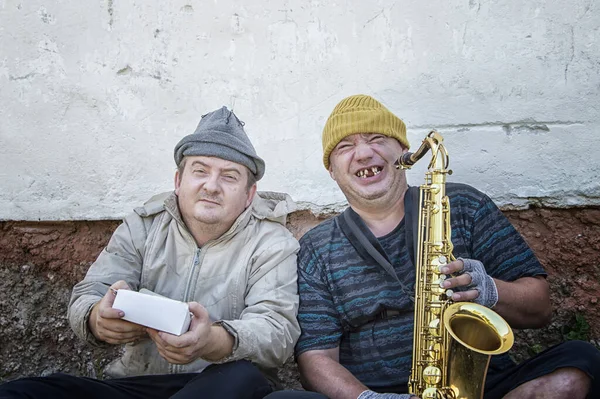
106 323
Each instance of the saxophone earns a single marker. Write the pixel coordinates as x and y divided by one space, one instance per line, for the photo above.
452 342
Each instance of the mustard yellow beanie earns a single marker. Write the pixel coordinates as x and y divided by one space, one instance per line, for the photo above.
360 114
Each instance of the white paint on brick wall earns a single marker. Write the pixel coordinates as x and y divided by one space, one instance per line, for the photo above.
95 94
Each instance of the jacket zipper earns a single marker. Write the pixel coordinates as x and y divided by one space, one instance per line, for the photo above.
178 368
194 266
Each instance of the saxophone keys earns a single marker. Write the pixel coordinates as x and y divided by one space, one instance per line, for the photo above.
434 327
430 393
449 293
441 280
441 262
432 375
435 309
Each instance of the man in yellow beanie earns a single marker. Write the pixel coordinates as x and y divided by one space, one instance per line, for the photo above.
356 276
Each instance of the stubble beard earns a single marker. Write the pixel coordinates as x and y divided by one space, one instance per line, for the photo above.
207 216
376 199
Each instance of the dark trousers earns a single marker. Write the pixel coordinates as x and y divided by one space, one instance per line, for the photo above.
295 395
576 354
235 380
573 354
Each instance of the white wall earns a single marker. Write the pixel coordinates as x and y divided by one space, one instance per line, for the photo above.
95 94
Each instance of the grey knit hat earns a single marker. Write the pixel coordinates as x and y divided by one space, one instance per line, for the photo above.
221 134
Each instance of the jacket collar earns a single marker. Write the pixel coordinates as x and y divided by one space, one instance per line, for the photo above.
265 205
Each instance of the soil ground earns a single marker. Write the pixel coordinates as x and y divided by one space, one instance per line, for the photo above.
40 262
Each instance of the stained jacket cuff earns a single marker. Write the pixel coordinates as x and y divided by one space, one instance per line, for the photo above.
81 313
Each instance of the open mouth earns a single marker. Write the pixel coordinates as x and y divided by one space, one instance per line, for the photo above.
369 172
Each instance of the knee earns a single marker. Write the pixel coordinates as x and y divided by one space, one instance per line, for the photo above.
579 383
575 377
569 382
239 379
238 376
562 383
245 372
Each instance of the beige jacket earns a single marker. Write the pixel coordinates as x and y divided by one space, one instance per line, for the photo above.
246 278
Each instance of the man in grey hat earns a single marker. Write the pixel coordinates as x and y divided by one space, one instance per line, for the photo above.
215 243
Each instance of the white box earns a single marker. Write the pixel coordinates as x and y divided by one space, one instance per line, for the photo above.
154 311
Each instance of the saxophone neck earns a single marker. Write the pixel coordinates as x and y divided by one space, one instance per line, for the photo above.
439 156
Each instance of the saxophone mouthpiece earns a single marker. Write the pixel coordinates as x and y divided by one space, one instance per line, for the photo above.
405 161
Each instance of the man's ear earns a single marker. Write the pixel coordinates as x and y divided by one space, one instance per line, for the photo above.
331 173
251 193
177 181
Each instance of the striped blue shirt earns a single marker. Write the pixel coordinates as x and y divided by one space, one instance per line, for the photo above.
341 293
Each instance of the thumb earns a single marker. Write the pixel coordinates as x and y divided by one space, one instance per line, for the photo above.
109 298
199 312
120 285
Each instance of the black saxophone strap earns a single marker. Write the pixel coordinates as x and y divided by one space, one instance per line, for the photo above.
367 245
359 239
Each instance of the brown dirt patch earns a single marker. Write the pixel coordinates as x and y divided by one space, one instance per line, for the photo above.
40 262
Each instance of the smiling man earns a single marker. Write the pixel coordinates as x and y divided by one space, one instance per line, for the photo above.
214 242
356 310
